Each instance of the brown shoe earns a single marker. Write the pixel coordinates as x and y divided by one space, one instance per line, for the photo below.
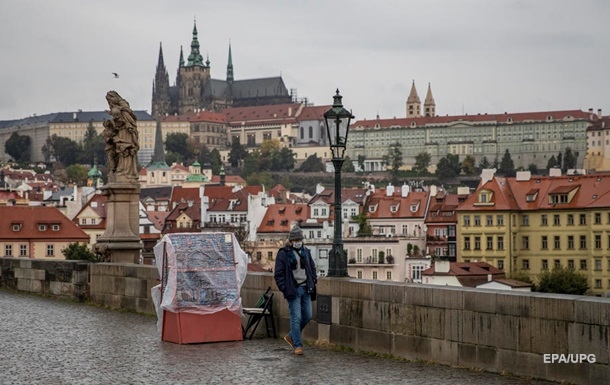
298 351
289 340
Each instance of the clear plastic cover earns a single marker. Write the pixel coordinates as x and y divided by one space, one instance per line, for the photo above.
200 272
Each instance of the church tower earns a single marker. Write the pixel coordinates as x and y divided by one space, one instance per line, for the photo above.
192 78
429 105
161 103
230 67
413 103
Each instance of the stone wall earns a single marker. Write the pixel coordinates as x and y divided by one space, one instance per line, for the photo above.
490 330
66 279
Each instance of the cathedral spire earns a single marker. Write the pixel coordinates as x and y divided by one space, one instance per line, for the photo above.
160 63
181 60
195 58
429 104
159 155
160 97
230 66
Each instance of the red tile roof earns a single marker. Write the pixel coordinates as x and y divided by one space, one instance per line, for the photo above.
279 217
183 194
313 112
207 116
263 113
395 205
30 217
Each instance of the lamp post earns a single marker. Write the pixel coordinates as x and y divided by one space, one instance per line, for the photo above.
337 126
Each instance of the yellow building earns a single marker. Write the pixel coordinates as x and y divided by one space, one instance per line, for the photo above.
533 224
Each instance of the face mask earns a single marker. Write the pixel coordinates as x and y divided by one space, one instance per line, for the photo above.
297 245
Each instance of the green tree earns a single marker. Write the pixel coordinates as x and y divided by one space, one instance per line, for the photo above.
533 168
215 161
312 164
484 164
422 161
250 163
552 163
18 147
177 142
563 281
360 161
93 147
64 150
569 159
77 173
448 166
364 228
468 165
507 166
283 159
394 159
348 165
237 154
559 160
261 178
80 252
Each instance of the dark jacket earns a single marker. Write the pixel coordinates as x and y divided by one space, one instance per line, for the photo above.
284 279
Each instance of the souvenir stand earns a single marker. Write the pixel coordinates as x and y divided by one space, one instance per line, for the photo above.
201 278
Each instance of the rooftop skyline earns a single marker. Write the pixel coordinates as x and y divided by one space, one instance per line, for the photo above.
479 56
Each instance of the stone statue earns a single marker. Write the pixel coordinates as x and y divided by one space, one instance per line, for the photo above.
121 135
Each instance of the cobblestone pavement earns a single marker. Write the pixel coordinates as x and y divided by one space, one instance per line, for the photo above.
49 341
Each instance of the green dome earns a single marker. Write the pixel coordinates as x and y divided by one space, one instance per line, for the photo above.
94 172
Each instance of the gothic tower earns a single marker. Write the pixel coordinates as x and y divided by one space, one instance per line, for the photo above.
413 103
192 78
230 67
161 103
429 105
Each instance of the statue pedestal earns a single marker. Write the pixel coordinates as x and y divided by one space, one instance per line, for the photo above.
121 240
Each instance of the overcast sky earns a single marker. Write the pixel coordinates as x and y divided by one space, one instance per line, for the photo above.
479 55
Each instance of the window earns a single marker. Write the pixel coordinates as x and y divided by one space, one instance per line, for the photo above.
598 283
556 242
50 250
545 243
358 255
526 264
477 243
525 242
545 264
556 220
405 229
556 263
416 273
359 274
56 227
598 241
570 219
598 218
23 250
8 250
490 243
500 243
477 220
598 264
525 220
83 221
583 241
466 220
570 242
583 219
489 219
466 243
501 264
374 275
500 220
544 220
583 264
42 227
388 275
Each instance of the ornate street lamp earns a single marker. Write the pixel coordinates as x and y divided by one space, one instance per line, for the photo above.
337 127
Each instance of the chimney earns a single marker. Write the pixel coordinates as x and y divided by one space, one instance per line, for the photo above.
591 113
289 111
599 113
74 115
190 202
404 190
489 278
555 171
433 190
442 266
389 191
523 176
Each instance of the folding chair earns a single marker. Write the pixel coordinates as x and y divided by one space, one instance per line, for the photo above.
262 309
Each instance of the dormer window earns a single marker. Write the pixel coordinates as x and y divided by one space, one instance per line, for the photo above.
16 226
394 208
372 208
42 227
55 227
531 195
414 208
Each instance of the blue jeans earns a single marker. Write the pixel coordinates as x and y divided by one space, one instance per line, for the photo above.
300 315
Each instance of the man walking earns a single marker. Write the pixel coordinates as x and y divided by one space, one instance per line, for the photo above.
295 276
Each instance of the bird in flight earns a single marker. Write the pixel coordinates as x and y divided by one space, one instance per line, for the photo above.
115 75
